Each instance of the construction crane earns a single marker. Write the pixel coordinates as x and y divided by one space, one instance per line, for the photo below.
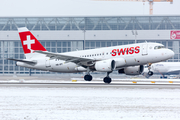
150 2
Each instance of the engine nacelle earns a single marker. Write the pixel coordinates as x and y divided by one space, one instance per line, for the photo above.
105 65
120 62
134 70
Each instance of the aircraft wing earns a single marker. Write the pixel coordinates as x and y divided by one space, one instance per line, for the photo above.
25 61
78 60
173 71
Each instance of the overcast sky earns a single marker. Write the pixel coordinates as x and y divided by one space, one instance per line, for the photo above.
83 8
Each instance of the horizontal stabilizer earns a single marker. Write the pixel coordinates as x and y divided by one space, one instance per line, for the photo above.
25 61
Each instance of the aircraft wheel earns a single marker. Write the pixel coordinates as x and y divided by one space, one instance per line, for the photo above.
107 80
88 77
150 73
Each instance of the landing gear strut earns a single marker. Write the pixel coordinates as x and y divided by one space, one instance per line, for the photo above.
150 73
107 79
88 77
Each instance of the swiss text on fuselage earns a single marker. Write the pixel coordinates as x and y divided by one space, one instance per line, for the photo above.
123 51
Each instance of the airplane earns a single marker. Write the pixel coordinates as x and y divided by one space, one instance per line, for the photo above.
127 59
163 68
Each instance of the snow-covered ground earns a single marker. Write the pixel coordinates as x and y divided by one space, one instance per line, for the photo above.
89 103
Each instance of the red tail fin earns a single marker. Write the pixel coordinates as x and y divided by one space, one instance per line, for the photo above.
28 41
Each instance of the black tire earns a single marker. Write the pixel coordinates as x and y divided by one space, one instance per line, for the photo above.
150 73
107 80
88 77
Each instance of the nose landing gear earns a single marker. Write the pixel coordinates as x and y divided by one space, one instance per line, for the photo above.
150 73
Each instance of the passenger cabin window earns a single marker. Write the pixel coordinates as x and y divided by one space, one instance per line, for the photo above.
158 47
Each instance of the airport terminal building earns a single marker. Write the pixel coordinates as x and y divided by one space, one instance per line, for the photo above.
64 34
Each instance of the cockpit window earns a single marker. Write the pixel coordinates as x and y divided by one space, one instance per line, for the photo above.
158 47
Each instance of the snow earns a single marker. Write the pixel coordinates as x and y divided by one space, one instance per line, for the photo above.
89 103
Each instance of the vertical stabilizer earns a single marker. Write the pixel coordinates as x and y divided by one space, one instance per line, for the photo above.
29 42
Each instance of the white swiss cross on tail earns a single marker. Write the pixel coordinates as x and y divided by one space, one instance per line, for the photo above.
28 42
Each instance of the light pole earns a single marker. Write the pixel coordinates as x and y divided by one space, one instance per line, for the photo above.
135 33
84 38
29 72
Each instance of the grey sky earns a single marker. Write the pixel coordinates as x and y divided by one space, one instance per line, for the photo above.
83 8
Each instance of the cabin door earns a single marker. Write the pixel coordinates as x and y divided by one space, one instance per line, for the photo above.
144 49
47 62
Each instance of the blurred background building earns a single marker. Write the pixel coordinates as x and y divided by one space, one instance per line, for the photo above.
64 34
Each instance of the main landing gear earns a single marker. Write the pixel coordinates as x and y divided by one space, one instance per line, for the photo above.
107 79
88 77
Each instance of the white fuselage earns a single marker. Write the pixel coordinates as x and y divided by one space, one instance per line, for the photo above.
133 54
164 68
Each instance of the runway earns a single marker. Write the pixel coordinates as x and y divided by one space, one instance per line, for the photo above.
43 82
91 84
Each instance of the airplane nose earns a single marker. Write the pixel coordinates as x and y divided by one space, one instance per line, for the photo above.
171 53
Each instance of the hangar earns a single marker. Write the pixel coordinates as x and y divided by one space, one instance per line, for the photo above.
63 34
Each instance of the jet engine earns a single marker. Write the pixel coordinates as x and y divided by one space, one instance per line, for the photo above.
134 70
105 65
